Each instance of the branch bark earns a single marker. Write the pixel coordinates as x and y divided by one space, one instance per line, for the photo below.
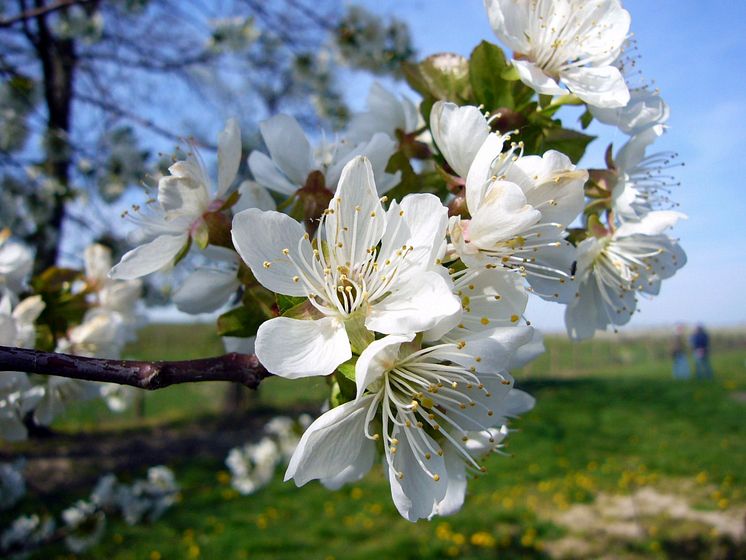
233 367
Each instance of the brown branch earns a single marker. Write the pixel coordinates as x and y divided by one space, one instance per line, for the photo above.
40 11
233 367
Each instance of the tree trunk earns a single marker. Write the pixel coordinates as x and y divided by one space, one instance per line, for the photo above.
58 60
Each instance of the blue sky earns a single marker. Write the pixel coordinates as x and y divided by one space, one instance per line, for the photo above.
694 52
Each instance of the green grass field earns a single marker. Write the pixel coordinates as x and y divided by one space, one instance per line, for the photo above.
610 424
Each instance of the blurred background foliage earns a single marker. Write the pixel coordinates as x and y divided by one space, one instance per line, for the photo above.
90 87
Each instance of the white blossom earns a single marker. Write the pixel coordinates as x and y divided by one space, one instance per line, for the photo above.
17 395
573 41
613 269
646 108
519 206
365 269
385 113
292 158
16 262
643 181
24 534
150 497
184 197
253 465
211 285
85 525
417 402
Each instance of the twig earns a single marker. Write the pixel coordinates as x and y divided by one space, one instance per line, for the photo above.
43 10
233 367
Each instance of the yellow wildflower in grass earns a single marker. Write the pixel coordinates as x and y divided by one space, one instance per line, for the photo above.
483 539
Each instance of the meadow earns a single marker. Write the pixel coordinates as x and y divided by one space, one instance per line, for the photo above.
616 460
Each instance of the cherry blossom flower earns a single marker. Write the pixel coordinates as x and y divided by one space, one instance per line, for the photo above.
184 197
422 404
17 395
16 262
292 158
365 270
646 108
573 41
614 268
643 181
519 205
386 113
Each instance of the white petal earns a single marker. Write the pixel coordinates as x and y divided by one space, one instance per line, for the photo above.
630 155
481 172
510 21
357 222
427 221
206 290
419 304
553 281
28 310
183 197
334 442
554 185
376 359
150 257
268 175
355 471
253 195
456 480
535 78
528 351
260 237
288 147
518 402
458 132
294 348
653 223
602 86
417 493
504 213
97 259
378 150
492 350
229 155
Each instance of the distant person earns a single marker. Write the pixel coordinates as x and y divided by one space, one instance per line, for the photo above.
701 347
681 369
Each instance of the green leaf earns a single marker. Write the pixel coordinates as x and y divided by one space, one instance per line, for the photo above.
44 338
570 142
241 322
487 67
55 279
286 303
586 119
348 368
347 387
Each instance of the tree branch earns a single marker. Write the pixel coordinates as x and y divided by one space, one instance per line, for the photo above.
40 11
233 367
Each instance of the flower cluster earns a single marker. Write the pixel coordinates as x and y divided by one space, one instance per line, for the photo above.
253 465
397 258
406 282
82 524
108 320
